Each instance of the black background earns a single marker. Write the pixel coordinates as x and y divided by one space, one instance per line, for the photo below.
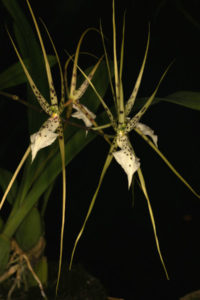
118 245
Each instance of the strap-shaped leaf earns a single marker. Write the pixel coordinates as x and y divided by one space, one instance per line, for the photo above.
25 236
48 175
32 172
14 75
187 99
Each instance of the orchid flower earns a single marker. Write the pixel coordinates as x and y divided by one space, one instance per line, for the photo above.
52 127
46 134
121 148
73 93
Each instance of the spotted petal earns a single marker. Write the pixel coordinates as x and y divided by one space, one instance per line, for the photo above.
146 130
45 136
126 157
82 116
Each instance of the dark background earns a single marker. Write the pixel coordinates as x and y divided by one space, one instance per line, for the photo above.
118 245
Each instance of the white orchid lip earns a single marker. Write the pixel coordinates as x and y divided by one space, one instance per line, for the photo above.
126 157
45 136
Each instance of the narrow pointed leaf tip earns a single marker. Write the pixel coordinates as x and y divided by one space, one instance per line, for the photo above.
126 157
45 136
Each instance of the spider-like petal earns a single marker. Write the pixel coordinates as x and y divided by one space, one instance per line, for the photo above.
146 130
126 157
45 136
85 117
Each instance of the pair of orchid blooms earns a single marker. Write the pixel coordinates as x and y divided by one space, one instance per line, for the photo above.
120 146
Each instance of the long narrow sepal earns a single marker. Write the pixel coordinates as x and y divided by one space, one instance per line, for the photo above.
108 65
60 70
118 81
53 97
81 90
62 153
67 88
42 101
100 99
116 73
121 112
74 71
122 50
167 162
26 154
131 124
106 165
131 100
143 186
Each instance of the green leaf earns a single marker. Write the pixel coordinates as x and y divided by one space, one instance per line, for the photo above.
5 252
1 224
26 39
187 99
41 270
89 99
45 200
29 47
76 143
38 176
29 231
15 75
5 177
